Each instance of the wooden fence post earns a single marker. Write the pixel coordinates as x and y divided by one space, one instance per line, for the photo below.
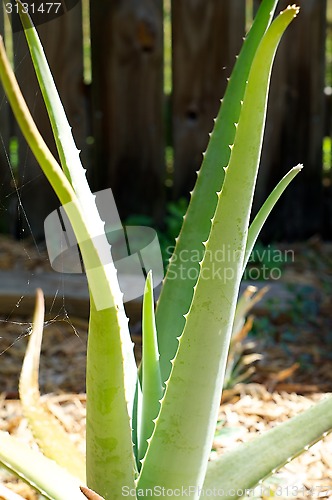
127 74
207 35
62 41
295 126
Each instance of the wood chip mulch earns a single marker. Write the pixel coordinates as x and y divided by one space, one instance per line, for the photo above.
250 409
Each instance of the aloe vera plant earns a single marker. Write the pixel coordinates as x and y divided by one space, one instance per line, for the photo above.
151 432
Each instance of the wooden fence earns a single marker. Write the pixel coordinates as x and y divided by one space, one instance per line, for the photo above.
123 120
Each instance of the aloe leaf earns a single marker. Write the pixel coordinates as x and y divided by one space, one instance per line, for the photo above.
152 390
266 209
40 472
49 434
178 454
136 420
109 342
183 270
110 458
62 131
234 469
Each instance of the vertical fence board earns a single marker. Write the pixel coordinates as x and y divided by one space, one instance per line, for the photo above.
295 126
5 130
207 35
62 41
327 181
127 74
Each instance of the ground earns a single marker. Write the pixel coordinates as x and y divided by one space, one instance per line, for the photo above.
292 332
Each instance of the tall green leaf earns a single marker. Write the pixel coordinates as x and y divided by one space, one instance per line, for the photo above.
108 330
152 389
183 269
234 470
178 454
40 472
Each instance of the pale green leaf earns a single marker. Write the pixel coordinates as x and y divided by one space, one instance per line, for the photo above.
246 465
266 209
178 288
40 472
177 455
109 410
152 390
